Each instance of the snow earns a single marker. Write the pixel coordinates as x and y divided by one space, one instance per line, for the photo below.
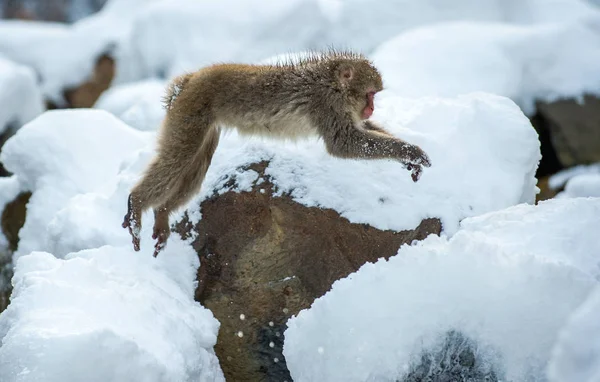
80 291
559 179
524 63
578 181
366 24
20 96
137 103
64 56
576 356
107 315
508 281
61 155
582 186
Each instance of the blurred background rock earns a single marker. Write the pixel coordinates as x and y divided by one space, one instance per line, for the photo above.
49 10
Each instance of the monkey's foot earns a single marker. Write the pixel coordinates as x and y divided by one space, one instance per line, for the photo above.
133 222
161 236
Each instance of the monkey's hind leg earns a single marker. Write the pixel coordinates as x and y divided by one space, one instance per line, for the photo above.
188 183
148 192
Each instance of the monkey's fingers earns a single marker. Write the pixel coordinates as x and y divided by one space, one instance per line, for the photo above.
415 170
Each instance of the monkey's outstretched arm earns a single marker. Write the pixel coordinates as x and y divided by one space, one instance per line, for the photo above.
372 142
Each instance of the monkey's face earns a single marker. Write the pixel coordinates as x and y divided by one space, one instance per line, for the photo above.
362 81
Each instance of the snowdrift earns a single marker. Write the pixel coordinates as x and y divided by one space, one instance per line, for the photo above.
20 96
507 281
525 63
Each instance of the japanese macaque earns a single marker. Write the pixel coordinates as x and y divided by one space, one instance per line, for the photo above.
327 94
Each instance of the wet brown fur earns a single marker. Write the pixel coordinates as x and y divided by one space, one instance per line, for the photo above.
322 94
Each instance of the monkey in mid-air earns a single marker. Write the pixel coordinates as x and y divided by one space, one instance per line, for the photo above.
327 94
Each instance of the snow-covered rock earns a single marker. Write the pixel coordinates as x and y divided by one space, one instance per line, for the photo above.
524 63
64 56
20 96
578 181
108 315
63 155
508 281
366 23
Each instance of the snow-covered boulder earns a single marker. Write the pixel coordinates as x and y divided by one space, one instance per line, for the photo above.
63 155
64 56
20 95
523 62
107 315
578 181
507 282
366 23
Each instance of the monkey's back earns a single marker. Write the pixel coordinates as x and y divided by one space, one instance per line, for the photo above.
255 99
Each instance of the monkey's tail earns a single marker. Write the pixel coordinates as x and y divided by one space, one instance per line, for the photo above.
174 89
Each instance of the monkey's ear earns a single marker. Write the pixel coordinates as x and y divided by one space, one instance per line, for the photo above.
345 74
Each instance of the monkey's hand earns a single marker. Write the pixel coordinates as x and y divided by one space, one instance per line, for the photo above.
133 221
414 159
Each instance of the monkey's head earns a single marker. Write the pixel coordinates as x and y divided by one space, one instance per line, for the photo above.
360 80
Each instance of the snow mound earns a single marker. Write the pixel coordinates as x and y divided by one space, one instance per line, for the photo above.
137 104
576 356
499 282
483 149
20 96
582 186
107 314
60 155
524 63
559 179
578 181
64 56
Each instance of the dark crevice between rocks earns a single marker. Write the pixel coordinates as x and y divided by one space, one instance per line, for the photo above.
457 360
267 258
549 164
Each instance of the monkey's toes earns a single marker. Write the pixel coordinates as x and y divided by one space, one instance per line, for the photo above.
159 246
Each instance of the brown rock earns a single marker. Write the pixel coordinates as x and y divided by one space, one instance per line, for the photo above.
13 218
88 93
265 258
574 129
